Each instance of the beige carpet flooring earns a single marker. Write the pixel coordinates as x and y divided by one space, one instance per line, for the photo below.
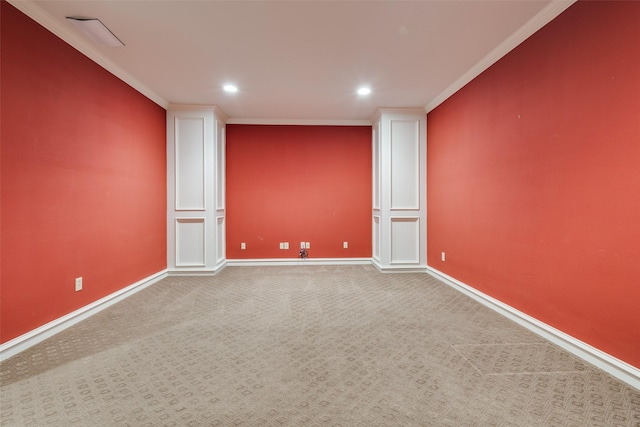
305 346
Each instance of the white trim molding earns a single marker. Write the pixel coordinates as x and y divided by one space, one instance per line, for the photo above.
296 261
191 242
542 18
196 271
598 358
222 116
397 268
33 11
400 217
298 122
31 338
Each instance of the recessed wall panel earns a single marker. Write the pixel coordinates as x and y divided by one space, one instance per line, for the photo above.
190 241
376 237
405 240
189 163
376 168
221 241
220 166
405 164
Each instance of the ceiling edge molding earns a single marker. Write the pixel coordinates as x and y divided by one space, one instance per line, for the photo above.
29 8
200 107
542 18
298 122
221 114
394 110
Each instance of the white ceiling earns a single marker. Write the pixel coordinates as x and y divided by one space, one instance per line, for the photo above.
299 60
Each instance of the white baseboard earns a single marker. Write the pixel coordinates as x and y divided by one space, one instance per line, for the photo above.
31 338
182 271
192 272
398 268
619 369
598 358
296 261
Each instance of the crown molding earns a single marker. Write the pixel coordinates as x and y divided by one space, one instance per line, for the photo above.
29 8
542 18
33 11
394 110
298 122
200 107
221 114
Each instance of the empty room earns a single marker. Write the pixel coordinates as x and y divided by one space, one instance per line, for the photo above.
340 213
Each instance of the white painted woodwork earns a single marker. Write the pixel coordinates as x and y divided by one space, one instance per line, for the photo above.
189 152
404 139
376 239
616 367
221 240
474 31
376 167
35 336
399 214
190 242
195 189
405 240
220 166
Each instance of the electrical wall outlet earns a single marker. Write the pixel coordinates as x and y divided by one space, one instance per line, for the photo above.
308 245
281 245
78 284
442 256
345 245
243 245
286 245
302 245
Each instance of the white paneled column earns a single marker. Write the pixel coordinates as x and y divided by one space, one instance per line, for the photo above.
195 189
399 190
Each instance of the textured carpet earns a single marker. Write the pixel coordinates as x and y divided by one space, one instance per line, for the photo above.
305 346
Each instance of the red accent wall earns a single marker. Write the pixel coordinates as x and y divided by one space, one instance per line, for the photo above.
298 183
83 179
534 178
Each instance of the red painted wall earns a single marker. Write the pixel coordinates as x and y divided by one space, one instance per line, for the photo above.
83 179
298 183
534 178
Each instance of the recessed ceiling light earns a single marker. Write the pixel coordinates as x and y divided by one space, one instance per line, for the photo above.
364 91
230 88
